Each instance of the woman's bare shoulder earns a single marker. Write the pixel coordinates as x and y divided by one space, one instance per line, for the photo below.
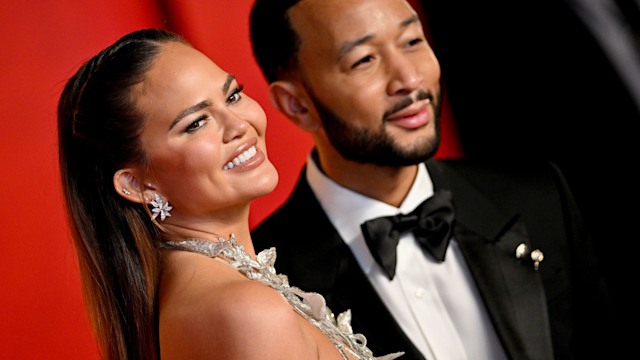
208 309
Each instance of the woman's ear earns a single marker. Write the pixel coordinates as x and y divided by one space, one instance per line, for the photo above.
290 99
128 186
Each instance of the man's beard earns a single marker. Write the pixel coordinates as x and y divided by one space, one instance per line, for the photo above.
375 146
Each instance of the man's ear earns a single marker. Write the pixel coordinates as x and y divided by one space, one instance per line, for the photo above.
128 185
292 100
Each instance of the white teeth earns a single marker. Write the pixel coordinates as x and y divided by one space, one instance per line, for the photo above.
246 155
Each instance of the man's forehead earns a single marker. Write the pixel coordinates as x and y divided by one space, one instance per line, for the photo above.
336 22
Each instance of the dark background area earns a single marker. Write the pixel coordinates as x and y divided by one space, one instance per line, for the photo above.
527 80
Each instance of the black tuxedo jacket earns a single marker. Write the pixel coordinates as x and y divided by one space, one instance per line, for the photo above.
561 311
554 67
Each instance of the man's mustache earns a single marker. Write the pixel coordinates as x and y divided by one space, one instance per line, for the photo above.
406 101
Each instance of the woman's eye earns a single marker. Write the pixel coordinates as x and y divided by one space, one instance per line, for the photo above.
198 123
236 95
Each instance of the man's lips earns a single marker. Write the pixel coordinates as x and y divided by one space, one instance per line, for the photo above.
411 117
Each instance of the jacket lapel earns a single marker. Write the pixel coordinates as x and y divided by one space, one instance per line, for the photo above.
512 291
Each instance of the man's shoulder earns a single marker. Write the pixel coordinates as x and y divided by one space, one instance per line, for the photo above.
300 202
500 176
531 188
498 168
300 213
535 191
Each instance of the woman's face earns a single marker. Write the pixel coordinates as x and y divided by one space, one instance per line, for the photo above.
204 138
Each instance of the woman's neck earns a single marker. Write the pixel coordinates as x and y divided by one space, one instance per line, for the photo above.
212 231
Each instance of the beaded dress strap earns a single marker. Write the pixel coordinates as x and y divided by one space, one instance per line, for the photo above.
312 306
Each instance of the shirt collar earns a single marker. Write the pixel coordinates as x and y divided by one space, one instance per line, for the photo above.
347 209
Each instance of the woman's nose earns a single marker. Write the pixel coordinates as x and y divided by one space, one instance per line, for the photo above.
234 126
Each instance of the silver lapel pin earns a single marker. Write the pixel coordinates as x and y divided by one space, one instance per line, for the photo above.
522 250
537 256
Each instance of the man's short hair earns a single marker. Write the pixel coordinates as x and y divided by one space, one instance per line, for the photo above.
275 44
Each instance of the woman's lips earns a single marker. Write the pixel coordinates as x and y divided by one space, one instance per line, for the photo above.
244 157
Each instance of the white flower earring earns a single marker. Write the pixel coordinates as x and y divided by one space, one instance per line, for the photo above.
160 207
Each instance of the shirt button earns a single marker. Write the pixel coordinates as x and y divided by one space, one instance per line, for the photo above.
419 293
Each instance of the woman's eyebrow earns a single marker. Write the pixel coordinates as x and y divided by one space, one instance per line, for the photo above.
190 110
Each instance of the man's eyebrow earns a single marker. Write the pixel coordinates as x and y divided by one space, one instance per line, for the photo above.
190 110
409 21
350 45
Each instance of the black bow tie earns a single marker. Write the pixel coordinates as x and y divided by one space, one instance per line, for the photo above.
431 223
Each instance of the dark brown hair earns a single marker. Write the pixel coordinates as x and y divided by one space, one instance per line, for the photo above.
116 243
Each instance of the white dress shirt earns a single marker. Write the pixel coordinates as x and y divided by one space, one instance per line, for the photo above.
436 304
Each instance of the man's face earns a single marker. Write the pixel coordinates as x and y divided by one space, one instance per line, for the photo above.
372 76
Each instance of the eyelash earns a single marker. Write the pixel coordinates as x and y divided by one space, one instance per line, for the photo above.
233 98
362 61
196 124
415 41
411 43
235 95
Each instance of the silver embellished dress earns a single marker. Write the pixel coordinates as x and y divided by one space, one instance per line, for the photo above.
311 306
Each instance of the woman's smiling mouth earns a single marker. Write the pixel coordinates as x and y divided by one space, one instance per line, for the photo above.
245 156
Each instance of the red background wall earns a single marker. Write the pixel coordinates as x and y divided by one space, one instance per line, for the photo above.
41 44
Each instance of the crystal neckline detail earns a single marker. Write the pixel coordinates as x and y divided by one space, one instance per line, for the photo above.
312 306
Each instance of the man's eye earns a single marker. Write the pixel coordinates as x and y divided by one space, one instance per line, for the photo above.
364 60
415 41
